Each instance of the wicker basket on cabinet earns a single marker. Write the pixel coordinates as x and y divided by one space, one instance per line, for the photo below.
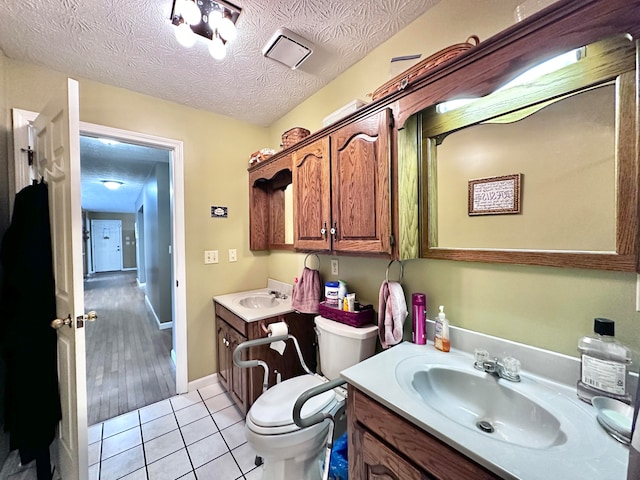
293 136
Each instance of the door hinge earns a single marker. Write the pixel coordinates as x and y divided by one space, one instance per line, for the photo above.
392 239
177 284
392 122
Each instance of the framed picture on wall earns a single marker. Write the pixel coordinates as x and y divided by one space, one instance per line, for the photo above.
495 195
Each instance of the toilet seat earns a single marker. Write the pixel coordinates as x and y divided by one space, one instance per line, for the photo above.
272 413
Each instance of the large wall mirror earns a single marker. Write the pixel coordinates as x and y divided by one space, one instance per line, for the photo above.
541 171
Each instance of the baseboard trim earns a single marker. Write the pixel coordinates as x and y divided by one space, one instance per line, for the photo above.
161 325
203 382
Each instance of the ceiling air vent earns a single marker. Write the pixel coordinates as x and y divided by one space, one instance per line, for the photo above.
287 48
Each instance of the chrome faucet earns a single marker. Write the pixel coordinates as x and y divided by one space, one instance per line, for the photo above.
277 294
507 368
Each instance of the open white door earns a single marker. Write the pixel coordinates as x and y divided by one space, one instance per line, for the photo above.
58 162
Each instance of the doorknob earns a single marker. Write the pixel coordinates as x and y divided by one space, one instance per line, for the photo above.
87 317
61 322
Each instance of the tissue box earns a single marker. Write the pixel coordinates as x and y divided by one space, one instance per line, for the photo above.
342 112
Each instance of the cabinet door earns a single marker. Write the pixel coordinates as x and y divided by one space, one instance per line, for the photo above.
379 462
360 181
238 382
222 337
312 196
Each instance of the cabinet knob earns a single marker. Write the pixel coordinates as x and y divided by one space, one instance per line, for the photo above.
323 230
334 230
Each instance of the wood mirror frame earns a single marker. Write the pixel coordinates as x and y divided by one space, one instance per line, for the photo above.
562 27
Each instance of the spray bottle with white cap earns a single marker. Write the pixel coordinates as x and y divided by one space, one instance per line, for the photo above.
441 340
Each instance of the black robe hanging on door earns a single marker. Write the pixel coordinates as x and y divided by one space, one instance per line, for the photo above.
27 341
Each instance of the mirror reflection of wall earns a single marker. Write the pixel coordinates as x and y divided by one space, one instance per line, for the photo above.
566 153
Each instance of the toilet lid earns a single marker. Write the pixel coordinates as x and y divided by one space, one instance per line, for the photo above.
274 408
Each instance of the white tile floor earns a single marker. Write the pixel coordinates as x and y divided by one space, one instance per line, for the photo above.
199 435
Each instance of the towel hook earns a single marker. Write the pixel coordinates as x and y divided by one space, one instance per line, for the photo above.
401 270
317 258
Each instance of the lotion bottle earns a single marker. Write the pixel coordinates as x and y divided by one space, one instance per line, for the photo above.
441 340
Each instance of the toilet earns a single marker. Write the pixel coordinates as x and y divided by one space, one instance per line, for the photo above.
289 451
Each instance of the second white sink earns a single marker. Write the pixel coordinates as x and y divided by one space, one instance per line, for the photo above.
482 402
259 301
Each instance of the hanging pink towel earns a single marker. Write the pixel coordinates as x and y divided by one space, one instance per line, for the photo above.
392 312
307 292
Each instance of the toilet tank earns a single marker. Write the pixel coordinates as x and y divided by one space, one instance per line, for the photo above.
342 346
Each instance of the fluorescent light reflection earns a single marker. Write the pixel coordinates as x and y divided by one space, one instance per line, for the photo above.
552 65
556 63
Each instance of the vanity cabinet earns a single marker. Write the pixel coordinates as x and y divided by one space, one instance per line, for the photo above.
245 385
341 189
383 445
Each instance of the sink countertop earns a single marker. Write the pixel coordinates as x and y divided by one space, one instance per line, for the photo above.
231 301
591 453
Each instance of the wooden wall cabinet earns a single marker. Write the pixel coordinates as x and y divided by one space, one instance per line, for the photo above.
342 189
267 212
245 385
383 445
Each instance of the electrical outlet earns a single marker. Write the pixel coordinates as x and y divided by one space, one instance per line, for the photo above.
210 256
233 256
334 267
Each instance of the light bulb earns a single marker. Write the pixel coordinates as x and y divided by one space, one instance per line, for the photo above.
214 18
191 13
217 49
185 36
227 29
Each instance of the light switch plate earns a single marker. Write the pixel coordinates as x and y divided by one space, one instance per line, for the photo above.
233 255
210 256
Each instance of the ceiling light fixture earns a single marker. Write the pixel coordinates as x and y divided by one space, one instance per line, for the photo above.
112 184
213 20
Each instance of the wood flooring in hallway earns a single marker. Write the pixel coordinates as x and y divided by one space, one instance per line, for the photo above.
128 358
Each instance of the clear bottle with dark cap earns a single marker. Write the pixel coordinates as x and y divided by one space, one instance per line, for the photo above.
604 364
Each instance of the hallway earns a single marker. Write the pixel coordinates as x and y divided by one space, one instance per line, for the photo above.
128 358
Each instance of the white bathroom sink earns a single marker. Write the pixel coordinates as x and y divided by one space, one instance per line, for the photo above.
483 403
259 301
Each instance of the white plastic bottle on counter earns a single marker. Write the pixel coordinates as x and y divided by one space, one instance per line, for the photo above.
441 338
604 366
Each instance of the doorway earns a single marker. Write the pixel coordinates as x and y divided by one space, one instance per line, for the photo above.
128 359
22 135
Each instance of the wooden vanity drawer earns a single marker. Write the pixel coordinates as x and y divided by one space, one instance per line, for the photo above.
232 319
410 443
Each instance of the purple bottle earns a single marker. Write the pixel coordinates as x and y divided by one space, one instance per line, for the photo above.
418 305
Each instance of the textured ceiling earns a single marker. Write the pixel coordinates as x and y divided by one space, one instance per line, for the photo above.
130 164
131 44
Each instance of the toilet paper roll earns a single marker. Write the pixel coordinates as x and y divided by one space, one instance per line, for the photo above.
275 330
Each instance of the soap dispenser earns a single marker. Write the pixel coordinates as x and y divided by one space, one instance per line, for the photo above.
441 340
